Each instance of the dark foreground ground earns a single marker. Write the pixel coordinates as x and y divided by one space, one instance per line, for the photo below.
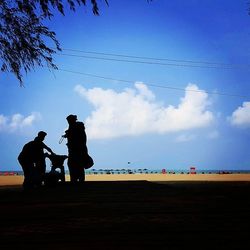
127 215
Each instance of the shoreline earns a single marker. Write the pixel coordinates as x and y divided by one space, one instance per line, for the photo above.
18 179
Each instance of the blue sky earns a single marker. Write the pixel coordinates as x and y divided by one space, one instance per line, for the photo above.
133 120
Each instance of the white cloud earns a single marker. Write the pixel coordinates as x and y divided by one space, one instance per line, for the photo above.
185 138
18 121
213 135
135 111
3 121
241 116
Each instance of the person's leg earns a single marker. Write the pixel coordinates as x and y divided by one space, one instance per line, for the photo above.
39 174
82 175
72 170
28 182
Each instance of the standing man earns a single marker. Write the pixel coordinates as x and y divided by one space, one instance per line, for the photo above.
77 149
32 161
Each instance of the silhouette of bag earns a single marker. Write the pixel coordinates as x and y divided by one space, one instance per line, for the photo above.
89 162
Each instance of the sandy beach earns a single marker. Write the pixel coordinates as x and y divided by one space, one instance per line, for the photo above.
17 180
128 211
121 215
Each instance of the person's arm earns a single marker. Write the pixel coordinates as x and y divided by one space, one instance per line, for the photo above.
66 134
48 148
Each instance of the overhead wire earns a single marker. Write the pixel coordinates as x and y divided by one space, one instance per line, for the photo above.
152 85
184 63
213 64
156 63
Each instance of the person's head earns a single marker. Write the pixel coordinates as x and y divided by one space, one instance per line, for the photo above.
71 119
41 135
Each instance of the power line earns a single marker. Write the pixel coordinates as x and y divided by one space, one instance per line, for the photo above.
152 58
158 59
152 63
152 85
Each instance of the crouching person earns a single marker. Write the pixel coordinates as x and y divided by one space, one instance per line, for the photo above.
32 161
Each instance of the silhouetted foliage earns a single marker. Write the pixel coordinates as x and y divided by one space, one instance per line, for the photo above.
24 37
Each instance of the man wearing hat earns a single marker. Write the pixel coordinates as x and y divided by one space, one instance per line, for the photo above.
32 161
77 149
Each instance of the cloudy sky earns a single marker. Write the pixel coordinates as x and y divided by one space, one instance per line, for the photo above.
160 85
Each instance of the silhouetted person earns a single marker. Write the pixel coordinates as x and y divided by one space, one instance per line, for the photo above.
77 149
32 161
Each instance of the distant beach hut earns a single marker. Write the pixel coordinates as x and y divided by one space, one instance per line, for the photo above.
94 171
163 171
192 170
123 171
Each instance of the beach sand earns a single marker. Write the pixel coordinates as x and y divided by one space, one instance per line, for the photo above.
17 180
212 213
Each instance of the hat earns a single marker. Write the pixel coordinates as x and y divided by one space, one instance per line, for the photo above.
41 134
71 118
